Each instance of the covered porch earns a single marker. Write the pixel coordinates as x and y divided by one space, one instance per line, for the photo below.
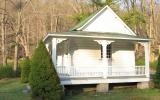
104 70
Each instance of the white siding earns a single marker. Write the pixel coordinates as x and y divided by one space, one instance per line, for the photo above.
87 58
86 53
108 21
123 54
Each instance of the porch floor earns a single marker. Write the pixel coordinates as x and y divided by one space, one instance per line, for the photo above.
109 77
98 80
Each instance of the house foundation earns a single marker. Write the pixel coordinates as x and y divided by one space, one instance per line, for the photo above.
143 85
102 87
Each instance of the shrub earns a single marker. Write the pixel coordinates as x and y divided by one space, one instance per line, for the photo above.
43 78
6 72
157 75
25 70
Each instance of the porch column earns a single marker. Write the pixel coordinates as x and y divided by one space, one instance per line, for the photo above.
104 44
147 54
104 59
54 48
104 48
55 41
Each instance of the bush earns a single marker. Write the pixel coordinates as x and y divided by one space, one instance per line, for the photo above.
157 75
25 70
6 72
43 78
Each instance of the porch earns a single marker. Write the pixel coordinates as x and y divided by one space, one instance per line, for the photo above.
87 60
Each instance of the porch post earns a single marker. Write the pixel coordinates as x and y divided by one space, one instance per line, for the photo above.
104 48
54 48
104 59
147 54
104 44
55 41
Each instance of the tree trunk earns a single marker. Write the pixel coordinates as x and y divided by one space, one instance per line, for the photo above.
16 41
51 24
152 29
143 6
16 56
3 30
26 48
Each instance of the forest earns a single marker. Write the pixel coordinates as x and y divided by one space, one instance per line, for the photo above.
23 23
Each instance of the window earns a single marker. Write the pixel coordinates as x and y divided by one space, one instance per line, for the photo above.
108 51
101 51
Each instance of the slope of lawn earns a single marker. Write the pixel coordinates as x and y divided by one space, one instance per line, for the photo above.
11 89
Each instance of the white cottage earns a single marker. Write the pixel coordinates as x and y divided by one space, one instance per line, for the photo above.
99 50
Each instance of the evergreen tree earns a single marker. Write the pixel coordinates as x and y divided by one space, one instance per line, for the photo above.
157 76
44 81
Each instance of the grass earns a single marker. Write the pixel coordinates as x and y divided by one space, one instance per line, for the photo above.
120 94
11 89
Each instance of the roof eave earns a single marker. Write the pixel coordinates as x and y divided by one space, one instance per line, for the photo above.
96 37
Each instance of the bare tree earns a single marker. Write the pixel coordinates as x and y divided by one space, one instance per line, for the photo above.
3 30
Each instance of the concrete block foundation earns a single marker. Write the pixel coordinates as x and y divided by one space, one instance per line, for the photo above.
102 87
143 85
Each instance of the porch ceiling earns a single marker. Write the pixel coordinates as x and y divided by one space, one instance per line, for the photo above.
80 34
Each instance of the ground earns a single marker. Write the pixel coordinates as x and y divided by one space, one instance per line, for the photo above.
11 89
120 94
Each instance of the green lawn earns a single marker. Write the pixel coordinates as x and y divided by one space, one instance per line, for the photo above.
120 94
11 89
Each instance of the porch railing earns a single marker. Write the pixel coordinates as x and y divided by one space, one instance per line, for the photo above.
79 72
126 71
111 71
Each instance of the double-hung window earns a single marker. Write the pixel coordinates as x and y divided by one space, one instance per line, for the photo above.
108 51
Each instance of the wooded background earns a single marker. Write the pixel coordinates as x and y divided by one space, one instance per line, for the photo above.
24 22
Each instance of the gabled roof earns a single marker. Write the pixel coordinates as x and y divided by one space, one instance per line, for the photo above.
103 24
80 24
103 21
